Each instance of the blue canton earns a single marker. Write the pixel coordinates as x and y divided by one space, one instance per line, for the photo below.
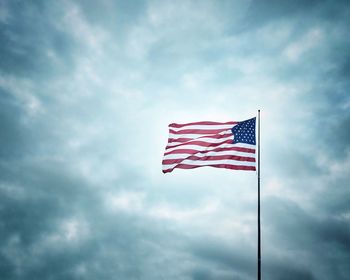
244 132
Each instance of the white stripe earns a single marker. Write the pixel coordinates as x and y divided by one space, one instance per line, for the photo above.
208 162
195 136
210 153
204 139
208 126
201 148
198 148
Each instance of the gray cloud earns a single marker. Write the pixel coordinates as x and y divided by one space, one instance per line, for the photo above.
32 41
86 92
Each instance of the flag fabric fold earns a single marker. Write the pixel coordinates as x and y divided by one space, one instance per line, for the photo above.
228 145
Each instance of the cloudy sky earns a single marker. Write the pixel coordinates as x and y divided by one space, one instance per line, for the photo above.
87 89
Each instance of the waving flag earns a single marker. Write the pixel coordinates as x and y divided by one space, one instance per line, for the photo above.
228 145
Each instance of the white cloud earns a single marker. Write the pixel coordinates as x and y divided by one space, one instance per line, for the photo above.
181 215
73 22
71 231
128 201
311 40
25 91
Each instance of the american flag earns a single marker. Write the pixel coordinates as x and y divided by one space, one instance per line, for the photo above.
228 145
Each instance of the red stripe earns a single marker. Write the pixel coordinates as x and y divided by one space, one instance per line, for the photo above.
192 151
201 143
214 136
227 166
178 160
198 131
176 125
182 140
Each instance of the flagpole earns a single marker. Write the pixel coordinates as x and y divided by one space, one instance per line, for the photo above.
259 233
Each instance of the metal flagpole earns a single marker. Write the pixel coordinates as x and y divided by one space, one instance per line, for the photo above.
259 233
